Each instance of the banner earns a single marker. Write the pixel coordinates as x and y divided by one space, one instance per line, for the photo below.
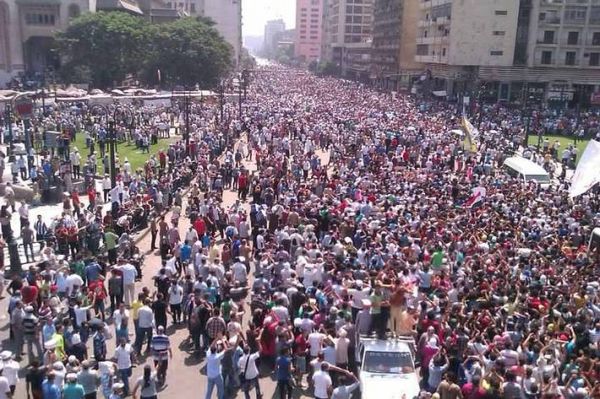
586 175
470 134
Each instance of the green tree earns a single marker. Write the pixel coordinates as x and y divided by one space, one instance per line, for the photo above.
107 45
187 51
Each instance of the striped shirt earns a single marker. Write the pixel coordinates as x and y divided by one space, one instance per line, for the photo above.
30 323
160 346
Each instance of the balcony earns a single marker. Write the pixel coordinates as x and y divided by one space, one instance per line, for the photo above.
424 23
547 42
550 3
425 40
431 59
550 21
442 20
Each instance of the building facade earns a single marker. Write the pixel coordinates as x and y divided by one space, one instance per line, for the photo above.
348 35
393 63
309 30
227 15
27 28
527 51
273 30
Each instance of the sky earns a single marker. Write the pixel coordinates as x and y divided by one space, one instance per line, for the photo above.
255 13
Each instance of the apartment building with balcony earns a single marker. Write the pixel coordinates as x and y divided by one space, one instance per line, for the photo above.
393 48
515 51
347 36
309 30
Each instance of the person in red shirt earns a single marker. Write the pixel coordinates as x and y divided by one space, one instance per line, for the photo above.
243 186
91 193
29 294
200 226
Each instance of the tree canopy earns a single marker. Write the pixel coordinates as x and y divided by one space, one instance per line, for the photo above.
103 48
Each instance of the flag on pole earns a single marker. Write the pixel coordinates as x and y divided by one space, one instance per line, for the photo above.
586 175
477 195
470 134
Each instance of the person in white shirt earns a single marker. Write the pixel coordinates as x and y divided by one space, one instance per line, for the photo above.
73 281
11 369
315 340
345 391
322 382
249 371
175 300
121 318
106 186
239 272
129 275
145 326
123 358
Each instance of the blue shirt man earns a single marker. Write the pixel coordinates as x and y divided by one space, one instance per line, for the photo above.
92 272
49 389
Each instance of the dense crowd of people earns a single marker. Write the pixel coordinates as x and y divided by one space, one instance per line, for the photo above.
355 216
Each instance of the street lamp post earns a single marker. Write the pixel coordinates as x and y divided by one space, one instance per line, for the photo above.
240 97
9 113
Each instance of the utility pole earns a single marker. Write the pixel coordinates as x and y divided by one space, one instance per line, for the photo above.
240 97
186 104
8 110
111 148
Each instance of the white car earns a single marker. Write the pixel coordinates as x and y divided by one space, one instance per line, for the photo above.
387 369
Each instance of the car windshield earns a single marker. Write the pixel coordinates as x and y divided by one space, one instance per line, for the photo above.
539 178
388 362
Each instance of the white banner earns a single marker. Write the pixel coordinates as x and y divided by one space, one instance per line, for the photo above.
586 175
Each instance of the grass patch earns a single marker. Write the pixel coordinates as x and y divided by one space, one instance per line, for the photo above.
565 142
124 150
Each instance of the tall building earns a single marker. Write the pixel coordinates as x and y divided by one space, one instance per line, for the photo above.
227 15
526 50
348 28
273 29
393 64
309 29
27 29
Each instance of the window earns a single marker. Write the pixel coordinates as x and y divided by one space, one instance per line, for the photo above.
74 11
422 49
302 36
499 33
596 39
193 8
424 33
444 52
594 59
501 12
546 57
39 19
496 52
542 16
575 14
570 57
548 36
573 38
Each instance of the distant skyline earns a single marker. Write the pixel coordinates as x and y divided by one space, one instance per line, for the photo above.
256 13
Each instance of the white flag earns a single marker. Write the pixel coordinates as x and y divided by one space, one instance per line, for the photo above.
587 173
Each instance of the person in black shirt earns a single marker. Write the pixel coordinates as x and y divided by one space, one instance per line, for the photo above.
160 309
34 378
78 348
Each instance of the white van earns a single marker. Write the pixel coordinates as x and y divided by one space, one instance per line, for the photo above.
387 369
526 170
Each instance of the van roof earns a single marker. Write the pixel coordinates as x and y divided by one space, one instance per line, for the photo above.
387 345
525 166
